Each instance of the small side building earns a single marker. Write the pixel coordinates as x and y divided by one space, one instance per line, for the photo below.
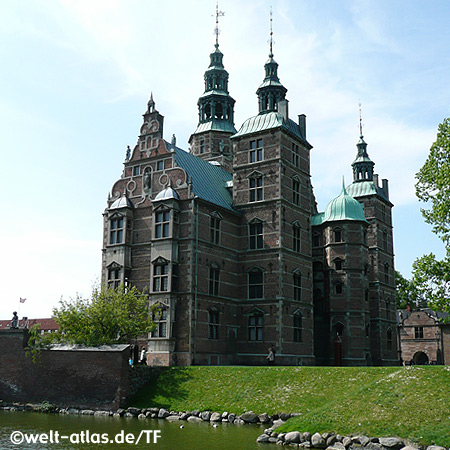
424 337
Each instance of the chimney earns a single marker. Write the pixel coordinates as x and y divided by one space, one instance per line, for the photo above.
386 187
283 108
302 124
375 180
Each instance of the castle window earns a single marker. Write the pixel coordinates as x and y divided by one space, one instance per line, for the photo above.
255 231
296 191
366 295
386 272
161 277
202 146
256 151
297 325
418 332
114 277
367 330
255 189
213 325
339 288
136 170
214 273
255 327
159 165
296 238
214 227
316 240
159 317
337 235
297 286
116 231
162 224
389 338
255 283
295 155
338 263
385 245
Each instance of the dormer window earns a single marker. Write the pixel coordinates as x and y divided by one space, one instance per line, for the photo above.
116 231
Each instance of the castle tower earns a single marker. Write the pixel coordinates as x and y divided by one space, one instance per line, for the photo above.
272 191
378 212
211 139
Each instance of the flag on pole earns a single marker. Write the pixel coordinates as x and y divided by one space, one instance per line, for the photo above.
22 300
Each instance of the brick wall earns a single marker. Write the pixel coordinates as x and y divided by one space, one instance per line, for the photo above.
83 378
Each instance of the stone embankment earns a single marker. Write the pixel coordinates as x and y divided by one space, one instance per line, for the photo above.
332 441
293 439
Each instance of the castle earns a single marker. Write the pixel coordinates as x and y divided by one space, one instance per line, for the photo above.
235 256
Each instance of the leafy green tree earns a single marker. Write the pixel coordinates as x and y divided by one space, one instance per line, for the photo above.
433 184
431 276
406 292
432 281
111 316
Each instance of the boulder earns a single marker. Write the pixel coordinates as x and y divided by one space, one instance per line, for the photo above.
134 411
305 444
336 446
284 416
225 415
101 413
277 423
262 438
264 418
347 441
317 441
306 436
363 440
374 446
173 417
238 421
120 411
194 419
184 416
331 440
205 415
250 417
435 447
215 417
231 417
293 437
196 413
391 442
163 413
142 416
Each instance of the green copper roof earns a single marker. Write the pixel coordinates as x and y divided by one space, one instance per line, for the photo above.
362 188
209 182
268 121
215 125
343 207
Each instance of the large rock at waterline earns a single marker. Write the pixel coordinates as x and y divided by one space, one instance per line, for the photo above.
250 417
391 442
317 441
293 437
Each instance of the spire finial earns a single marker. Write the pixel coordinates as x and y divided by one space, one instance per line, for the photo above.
216 29
360 120
271 34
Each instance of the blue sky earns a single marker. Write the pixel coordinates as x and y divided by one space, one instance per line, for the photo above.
77 74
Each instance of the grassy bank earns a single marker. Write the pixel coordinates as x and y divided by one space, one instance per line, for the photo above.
409 402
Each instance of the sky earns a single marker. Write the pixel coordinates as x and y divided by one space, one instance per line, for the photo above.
77 74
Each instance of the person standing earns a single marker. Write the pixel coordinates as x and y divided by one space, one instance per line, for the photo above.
270 357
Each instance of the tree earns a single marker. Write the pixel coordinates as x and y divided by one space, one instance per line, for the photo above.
432 281
431 276
433 184
111 316
406 292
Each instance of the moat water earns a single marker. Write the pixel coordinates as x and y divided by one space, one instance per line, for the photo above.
73 433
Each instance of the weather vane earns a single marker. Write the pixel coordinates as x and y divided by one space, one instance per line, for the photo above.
216 29
271 32
360 120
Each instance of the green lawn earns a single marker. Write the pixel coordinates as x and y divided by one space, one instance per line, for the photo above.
409 402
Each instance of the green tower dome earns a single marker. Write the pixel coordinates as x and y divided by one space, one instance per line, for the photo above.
344 207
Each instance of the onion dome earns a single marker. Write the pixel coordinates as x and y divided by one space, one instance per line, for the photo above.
122 202
344 207
167 194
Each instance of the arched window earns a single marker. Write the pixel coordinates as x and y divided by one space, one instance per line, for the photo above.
296 237
338 264
214 273
338 329
213 325
297 285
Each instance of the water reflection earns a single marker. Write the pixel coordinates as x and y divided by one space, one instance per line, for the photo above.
174 435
